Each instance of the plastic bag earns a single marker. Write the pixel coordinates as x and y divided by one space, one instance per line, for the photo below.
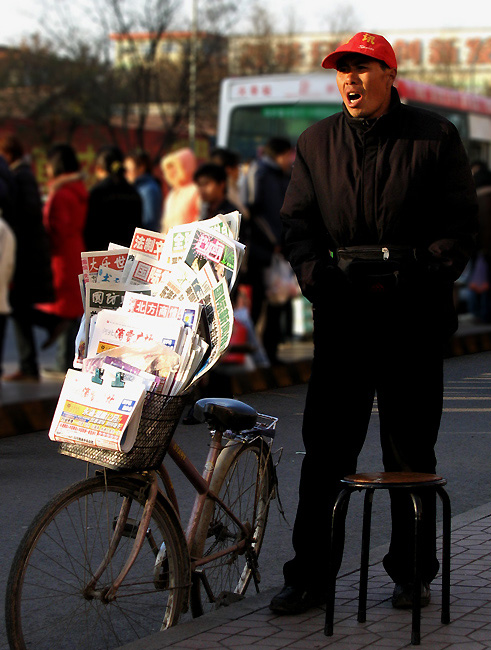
154 358
280 280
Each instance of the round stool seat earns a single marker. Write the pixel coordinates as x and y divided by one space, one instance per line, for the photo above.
393 480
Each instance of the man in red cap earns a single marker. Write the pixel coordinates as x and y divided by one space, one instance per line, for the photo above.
379 220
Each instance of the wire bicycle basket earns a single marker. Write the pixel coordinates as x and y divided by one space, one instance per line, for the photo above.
159 419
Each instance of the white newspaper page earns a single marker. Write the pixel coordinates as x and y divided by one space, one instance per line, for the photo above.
92 260
232 220
144 242
178 238
221 251
106 274
97 415
114 369
187 312
147 270
220 316
183 284
148 242
115 329
104 295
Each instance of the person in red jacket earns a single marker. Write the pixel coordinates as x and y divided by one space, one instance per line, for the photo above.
379 219
64 216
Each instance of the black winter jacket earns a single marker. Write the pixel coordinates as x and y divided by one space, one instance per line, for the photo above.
33 248
266 189
402 180
114 211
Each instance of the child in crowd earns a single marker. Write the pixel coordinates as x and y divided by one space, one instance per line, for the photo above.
211 180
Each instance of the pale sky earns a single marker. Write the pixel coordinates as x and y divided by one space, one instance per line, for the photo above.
21 16
377 15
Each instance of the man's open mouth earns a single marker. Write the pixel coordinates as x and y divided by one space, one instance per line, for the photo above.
353 97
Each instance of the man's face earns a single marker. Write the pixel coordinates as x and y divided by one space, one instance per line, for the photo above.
364 85
210 190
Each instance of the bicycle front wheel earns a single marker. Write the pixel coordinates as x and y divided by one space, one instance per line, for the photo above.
244 479
48 604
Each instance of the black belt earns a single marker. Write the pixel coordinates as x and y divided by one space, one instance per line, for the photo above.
376 253
375 268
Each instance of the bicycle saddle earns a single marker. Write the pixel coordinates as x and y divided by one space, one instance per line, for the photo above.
222 414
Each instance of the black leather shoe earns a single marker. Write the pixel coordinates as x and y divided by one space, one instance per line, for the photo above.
402 598
292 600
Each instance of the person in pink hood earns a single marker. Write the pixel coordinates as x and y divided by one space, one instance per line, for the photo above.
64 216
182 203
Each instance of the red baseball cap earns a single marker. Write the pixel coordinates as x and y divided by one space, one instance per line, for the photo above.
372 45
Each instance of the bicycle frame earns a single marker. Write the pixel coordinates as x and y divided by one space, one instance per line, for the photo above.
201 483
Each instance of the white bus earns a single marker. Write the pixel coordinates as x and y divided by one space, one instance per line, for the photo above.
253 109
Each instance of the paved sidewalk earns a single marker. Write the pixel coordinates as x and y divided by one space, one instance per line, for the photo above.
249 625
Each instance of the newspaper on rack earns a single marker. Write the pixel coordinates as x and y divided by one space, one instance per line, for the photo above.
178 238
161 309
106 274
97 296
97 415
224 254
219 315
115 328
182 285
91 261
109 295
159 314
116 371
146 244
147 270
233 221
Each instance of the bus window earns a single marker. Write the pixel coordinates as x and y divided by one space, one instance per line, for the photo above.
252 126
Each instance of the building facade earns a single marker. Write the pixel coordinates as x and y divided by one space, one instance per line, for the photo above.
459 58
132 49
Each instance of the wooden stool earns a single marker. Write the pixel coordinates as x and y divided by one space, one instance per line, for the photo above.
412 483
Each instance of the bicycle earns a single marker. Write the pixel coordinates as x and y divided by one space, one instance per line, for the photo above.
107 561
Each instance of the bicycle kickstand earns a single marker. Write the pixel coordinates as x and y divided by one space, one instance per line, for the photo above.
253 565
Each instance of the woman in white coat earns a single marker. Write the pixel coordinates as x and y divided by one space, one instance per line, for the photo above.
7 266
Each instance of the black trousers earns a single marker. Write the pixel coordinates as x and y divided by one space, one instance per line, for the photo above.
24 319
366 344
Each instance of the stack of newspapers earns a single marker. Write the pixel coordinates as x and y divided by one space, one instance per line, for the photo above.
157 317
170 293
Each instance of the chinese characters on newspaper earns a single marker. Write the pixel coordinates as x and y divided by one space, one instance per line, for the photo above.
157 317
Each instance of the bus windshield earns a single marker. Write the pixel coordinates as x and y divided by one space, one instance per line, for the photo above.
252 126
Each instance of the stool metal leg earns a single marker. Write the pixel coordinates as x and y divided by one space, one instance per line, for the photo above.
331 574
365 554
416 608
446 537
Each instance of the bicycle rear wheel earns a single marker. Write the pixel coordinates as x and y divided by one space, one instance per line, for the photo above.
46 606
245 480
